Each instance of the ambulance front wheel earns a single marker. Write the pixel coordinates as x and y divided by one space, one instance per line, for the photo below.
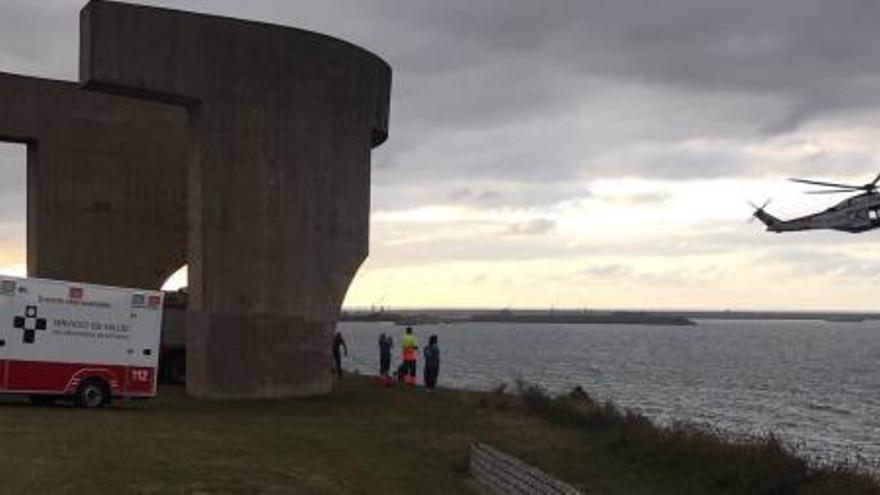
92 393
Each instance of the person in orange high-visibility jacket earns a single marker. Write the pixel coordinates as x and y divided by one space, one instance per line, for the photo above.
410 347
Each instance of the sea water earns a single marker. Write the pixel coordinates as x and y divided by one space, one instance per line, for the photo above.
815 383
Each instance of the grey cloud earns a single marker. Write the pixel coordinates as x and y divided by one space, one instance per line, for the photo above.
537 226
711 238
513 57
480 194
792 49
639 199
500 248
674 162
12 237
39 38
13 193
542 97
825 263
735 70
470 196
619 273
517 195
614 270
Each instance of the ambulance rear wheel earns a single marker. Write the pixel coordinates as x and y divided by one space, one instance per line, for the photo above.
92 393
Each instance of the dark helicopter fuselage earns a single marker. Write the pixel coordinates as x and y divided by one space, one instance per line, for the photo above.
854 215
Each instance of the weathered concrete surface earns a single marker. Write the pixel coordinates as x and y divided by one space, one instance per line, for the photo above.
281 124
105 183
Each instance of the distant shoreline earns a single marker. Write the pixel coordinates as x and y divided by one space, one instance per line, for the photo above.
660 317
506 316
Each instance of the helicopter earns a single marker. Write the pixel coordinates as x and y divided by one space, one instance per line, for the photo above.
856 214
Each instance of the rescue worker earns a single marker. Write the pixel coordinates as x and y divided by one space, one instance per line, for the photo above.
386 343
432 362
410 347
338 342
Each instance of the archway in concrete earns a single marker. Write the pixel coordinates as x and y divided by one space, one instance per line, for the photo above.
13 215
177 280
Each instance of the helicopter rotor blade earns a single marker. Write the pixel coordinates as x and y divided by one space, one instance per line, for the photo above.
828 184
832 191
874 182
753 205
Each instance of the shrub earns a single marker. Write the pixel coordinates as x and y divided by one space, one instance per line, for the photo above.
722 462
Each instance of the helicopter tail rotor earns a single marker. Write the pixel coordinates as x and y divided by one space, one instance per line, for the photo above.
772 223
766 202
758 209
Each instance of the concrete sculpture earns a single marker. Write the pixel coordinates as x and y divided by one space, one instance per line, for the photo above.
264 133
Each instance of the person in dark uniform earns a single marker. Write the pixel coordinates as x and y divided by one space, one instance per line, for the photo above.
338 342
432 362
385 346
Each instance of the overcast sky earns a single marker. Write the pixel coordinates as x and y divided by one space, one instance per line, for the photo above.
580 153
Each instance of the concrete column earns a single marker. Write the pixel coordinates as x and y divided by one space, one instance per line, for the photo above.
281 125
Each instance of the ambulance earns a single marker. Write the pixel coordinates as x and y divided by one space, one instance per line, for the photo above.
88 343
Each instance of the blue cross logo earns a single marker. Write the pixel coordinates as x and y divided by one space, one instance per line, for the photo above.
29 323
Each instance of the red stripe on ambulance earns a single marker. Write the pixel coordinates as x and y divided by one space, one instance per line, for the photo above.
64 378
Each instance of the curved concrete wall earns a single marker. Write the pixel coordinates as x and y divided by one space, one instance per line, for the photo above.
280 127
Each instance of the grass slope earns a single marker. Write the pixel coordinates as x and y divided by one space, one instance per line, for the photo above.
359 439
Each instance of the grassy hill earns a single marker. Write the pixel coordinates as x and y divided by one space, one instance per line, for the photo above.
367 439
